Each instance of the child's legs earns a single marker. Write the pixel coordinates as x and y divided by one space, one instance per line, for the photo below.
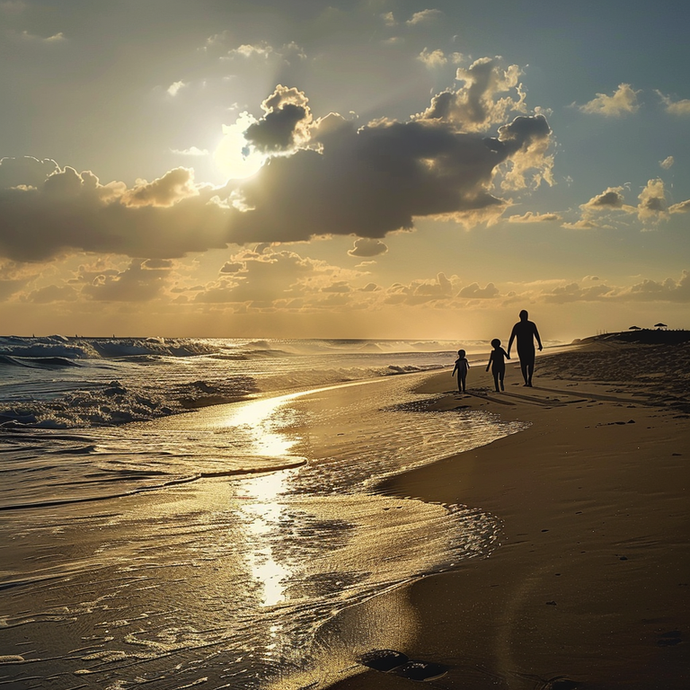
462 380
496 373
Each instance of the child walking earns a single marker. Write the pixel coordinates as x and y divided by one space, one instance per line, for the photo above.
497 362
461 366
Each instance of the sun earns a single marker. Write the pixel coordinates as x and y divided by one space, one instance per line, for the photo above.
234 157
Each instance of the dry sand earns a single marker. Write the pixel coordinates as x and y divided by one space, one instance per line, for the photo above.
590 587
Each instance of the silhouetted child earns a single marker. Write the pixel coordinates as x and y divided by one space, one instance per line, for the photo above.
461 366
497 362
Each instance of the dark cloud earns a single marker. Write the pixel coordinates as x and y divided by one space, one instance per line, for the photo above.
285 123
331 178
612 198
74 211
378 178
367 247
231 267
28 171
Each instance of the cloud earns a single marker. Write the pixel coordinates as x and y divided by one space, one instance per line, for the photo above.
611 199
53 39
174 186
669 290
318 178
681 207
652 207
368 247
473 291
175 87
232 267
191 151
27 171
263 278
421 292
433 59
574 293
667 162
389 19
622 102
53 293
262 50
424 17
71 211
476 106
530 217
137 283
679 108
285 124
371 287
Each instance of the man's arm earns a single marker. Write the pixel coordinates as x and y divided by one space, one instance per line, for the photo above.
510 342
536 335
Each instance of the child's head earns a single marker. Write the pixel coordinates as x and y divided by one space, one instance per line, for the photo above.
495 343
461 353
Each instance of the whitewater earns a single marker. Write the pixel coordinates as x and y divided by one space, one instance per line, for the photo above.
182 512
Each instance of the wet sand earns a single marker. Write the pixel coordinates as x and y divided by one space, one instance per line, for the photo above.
590 587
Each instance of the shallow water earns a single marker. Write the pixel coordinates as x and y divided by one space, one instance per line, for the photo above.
202 572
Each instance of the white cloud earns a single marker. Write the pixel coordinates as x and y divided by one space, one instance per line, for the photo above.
246 50
680 108
191 151
433 59
667 163
681 207
477 104
54 38
622 102
424 17
389 19
175 87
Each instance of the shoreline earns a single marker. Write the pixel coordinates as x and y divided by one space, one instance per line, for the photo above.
589 587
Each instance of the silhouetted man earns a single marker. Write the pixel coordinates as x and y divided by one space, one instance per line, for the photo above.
525 331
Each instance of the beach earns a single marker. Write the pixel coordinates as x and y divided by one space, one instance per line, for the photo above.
590 586
535 538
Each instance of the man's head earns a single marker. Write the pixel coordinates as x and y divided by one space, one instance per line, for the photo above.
523 315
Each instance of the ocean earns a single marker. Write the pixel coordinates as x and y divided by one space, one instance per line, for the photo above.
197 512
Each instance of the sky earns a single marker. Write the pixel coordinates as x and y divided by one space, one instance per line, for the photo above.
376 169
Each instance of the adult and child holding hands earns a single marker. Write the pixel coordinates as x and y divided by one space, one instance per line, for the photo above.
525 332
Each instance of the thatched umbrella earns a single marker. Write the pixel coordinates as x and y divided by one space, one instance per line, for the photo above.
634 328
660 325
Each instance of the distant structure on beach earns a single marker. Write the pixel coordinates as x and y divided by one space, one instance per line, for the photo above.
659 335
